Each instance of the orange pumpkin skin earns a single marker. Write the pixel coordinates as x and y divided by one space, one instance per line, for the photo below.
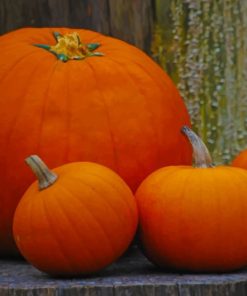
194 218
112 110
240 160
78 225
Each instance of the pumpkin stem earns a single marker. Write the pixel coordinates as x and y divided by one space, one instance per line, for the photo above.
44 175
70 47
201 155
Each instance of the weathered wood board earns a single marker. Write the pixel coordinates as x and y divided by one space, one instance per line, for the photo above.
132 275
128 20
202 44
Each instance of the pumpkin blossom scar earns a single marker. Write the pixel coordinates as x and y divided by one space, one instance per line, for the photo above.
70 47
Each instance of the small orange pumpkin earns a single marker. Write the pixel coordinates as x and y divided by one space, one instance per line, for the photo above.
108 105
74 220
194 218
240 160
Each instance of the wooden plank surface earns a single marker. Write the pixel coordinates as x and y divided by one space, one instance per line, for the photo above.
131 21
131 275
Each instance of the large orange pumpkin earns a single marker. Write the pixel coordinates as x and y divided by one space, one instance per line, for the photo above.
194 218
76 219
110 107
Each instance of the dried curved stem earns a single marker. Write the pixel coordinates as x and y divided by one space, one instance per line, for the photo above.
44 175
201 155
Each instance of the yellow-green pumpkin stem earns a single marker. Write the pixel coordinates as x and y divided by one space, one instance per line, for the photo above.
70 47
201 155
44 175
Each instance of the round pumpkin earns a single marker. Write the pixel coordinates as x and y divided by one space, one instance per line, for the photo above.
194 218
82 96
76 219
240 160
